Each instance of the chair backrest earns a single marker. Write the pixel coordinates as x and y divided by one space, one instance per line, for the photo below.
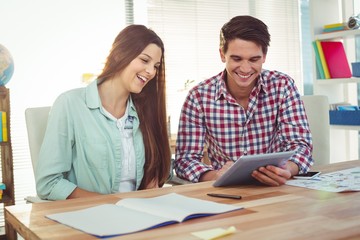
36 121
317 111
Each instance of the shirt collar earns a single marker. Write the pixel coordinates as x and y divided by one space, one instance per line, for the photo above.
261 84
221 90
92 97
132 109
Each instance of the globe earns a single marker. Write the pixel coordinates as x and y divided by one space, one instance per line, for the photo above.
6 66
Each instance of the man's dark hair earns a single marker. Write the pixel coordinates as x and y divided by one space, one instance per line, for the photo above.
246 28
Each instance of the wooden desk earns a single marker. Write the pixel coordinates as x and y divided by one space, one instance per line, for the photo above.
270 213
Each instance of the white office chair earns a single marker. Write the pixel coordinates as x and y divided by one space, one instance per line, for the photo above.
317 111
36 121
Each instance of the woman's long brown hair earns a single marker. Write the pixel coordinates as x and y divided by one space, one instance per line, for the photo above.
150 103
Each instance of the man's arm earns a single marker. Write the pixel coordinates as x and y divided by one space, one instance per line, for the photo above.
293 129
190 141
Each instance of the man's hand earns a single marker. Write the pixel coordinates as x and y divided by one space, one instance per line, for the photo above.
276 176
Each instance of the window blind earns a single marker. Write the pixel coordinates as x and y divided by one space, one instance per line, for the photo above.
190 31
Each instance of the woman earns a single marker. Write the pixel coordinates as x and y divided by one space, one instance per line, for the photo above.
110 136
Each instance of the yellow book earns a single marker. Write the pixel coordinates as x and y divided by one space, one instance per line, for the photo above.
322 59
4 127
334 25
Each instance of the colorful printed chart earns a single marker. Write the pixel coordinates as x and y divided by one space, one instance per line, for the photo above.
347 180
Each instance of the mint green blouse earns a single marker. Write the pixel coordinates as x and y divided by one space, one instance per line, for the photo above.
82 147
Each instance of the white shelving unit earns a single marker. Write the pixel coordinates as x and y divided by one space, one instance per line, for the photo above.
346 127
337 80
344 139
339 34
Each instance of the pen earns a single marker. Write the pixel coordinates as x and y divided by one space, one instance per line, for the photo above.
224 195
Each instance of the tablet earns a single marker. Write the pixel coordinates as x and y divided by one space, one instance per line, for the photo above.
240 172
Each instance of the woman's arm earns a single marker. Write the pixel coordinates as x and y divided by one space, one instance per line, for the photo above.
78 193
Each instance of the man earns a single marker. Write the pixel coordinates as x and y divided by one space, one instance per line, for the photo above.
243 110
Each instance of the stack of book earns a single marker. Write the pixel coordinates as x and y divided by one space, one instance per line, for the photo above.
2 188
335 27
3 127
331 60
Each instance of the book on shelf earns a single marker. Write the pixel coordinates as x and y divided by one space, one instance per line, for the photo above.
131 215
322 59
2 188
334 25
336 60
319 68
334 29
3 127
4 130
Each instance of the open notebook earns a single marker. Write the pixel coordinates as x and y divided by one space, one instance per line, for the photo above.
137 214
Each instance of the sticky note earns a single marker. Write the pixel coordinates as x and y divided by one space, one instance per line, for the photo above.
214 233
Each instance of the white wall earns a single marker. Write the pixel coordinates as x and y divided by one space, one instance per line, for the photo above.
53 43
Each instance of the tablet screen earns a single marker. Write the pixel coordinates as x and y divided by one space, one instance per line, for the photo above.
240 172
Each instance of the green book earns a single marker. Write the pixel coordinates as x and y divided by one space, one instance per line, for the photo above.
319 68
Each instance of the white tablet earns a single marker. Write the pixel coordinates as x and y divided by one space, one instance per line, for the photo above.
240 172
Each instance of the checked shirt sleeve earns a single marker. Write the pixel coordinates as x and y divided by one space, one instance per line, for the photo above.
190 140
293 130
